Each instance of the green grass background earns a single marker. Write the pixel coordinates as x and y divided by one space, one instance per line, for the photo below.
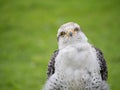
28 37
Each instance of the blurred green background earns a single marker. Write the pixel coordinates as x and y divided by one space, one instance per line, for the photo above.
28 37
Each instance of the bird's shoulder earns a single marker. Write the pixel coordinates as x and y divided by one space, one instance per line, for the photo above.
102 63
51 65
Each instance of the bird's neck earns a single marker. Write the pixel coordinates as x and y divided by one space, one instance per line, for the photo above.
61 46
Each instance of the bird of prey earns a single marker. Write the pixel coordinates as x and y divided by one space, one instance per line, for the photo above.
76 65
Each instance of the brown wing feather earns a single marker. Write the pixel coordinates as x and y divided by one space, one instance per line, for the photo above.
51 65
103 65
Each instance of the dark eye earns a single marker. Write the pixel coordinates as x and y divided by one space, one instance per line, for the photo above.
76 29
62 33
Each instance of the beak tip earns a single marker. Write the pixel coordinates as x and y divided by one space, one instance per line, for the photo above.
70 34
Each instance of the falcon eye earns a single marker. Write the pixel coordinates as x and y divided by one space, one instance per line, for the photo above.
76 29
62 33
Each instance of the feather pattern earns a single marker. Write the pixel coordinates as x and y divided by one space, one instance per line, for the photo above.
102 62
51 65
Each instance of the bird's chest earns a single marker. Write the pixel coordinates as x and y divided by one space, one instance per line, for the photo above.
72 58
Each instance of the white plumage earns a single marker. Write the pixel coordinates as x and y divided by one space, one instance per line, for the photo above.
76 65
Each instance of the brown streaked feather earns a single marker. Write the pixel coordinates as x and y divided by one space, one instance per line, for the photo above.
103 65
51 65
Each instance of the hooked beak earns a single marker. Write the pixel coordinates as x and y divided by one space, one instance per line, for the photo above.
70 33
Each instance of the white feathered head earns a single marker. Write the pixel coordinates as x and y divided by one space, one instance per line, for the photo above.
70 33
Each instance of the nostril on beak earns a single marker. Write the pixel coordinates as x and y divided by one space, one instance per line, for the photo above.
70 34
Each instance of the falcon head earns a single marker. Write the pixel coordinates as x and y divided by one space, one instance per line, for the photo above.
70 33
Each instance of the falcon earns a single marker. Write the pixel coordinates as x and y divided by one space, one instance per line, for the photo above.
76 65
